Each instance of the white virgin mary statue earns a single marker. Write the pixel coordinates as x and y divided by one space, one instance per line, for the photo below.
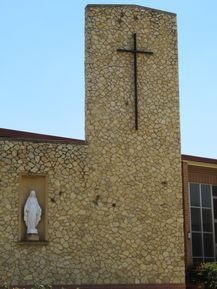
32 213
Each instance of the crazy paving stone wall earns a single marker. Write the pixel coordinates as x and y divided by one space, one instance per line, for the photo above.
135 174
58 261
119 217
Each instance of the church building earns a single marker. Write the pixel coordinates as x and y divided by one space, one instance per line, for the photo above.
122 208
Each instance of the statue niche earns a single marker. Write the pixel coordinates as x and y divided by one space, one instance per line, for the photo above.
33 209
32 215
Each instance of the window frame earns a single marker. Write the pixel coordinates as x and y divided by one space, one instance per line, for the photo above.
202 232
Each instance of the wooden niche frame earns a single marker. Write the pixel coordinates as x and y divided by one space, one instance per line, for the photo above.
38 183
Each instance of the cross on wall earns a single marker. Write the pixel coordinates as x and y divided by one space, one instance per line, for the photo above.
134 51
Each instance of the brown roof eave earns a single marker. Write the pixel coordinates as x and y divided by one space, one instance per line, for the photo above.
199 159
8 134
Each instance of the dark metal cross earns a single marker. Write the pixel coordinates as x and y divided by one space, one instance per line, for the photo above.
134 51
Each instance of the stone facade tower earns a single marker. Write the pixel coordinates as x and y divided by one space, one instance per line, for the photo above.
135 174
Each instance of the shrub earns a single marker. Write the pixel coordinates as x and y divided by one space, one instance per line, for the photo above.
192 275
36 286
204 274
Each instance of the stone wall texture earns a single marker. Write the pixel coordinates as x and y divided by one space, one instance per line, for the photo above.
118 219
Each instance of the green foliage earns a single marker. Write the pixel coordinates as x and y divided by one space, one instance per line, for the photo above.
36 286
192 275
39 286
204 274
4 286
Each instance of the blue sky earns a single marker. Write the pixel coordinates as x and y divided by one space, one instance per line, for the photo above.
42 68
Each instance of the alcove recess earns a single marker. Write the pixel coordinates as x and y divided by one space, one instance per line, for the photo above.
38 183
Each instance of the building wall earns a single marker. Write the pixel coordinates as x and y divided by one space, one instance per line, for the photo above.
57 261
114 207
195 170
135 173
186 212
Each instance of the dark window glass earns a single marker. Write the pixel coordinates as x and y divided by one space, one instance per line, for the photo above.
197 244
206 196
195 195
216 233
207 220
215 208
195 219
214 191
197 261
208 245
